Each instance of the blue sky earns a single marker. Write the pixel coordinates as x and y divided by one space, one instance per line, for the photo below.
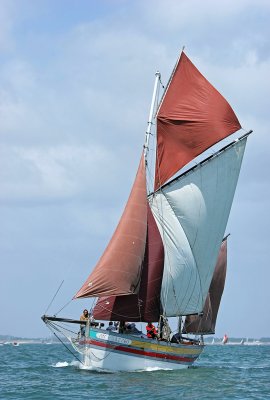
76 82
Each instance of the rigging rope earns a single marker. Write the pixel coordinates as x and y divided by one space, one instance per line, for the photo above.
54 296
61 309
163 87
51 327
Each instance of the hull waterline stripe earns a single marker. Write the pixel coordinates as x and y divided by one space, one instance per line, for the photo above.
142 352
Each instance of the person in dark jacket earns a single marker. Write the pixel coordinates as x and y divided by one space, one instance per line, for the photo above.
110 327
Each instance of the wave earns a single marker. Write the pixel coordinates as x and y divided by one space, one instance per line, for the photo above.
78 365
61 364
153 369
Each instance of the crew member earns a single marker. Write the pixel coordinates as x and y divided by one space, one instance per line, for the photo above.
83 317
151 331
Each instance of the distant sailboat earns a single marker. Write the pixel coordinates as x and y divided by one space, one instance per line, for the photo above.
162 256
225 339
252 342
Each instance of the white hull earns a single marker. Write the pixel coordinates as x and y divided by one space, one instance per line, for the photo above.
110 361
120 352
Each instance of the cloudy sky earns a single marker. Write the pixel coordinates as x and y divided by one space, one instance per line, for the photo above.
76 81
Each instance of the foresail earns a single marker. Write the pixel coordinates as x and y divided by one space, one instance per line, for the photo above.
118 270
144 306
193 116
205 323
191 214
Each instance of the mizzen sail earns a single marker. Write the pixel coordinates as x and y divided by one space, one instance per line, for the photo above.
119 268
205 324
193 116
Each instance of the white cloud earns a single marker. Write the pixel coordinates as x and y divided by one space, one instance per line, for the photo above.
56 173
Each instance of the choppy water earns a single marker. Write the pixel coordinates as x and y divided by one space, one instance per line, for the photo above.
32 371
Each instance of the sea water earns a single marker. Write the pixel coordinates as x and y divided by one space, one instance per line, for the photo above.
41 371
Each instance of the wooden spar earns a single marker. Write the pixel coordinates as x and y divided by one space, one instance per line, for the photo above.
202 162
46 318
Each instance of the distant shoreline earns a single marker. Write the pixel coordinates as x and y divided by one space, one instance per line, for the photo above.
15 341
27 341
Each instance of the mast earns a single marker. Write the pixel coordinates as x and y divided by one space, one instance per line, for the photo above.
151 116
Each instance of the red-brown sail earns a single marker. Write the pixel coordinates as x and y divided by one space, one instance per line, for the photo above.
206 323
144 306
118 270
193 116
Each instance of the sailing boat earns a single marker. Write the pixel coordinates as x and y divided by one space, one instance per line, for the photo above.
225 339
162 257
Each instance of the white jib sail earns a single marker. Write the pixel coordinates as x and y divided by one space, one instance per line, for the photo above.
192 214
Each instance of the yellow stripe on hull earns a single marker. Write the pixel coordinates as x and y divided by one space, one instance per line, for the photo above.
186 349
